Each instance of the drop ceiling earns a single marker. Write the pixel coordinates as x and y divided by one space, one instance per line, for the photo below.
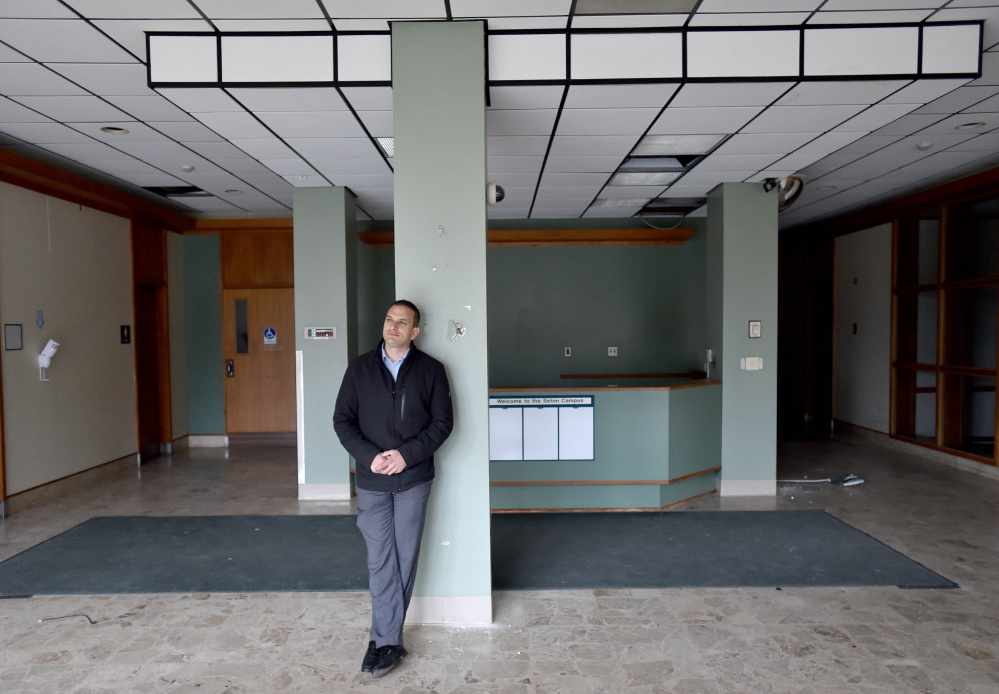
560 122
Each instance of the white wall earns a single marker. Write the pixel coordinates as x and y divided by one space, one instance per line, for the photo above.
862 296
74 264
178 353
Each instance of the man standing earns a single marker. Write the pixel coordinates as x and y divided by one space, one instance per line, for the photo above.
392 413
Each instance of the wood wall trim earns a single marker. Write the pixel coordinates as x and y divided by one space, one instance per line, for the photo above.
213 226
559 237
594 483
674 374
27 173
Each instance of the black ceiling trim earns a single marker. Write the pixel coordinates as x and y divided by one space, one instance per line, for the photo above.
203 15
101 31
548 149
374 143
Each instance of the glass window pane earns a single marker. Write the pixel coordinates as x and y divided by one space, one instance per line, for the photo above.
926 328
971 418
971 327
973 241
929 249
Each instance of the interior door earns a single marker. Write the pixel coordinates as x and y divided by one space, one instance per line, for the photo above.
259 349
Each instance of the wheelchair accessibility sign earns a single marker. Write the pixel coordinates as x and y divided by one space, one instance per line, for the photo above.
270 336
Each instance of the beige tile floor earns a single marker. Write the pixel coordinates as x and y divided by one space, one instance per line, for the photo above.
805 641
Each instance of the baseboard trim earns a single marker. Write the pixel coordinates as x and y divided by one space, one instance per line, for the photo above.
324 492
194 441
748 487
35 496
450 609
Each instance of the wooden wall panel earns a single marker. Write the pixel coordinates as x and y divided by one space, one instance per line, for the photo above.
257 259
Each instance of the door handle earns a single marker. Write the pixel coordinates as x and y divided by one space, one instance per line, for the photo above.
230 368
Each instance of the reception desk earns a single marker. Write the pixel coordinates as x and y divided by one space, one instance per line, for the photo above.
637 444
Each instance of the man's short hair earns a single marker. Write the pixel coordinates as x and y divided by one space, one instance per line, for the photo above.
410 305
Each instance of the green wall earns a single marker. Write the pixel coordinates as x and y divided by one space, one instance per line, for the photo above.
648 301
203 335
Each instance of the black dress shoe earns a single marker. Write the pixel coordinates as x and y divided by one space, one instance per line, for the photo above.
370 658
388 658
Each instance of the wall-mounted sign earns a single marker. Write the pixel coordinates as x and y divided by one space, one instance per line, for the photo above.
270 336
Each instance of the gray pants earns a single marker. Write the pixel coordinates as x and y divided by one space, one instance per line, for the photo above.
392 525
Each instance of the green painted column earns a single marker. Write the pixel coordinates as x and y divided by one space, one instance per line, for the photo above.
325 240
742 287
438 79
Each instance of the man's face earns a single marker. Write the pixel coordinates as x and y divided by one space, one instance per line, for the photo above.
399 329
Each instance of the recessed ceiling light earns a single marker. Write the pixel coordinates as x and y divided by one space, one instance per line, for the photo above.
387 145
826 188
234 191
673 145
656 163
923 146
644 178
186 168
970 126
114 130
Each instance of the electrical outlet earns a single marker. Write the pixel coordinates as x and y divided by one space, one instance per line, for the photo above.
612 351
568 351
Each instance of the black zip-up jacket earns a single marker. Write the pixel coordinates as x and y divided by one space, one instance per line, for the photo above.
412 414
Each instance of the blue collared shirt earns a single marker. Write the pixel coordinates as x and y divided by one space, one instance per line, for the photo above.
393 367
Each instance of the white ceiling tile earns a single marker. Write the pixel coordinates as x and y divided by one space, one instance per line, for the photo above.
123 167
186 131
134 9
702 19
759 5
369 98
763 175
489 8
332 147
361 24
527 57
924 91
729 94
260 9
703 121
609 212
631 192
240 167
149 108
34 8
131 33
861 51
107 79
526 24
79 109
526 97
598 164
619 95
520 122
696 177
364 58
283 25
736 162
313 124
990 71
910 123
162 152
383 182
848 92
516 145
627 21
232 125
153 180
948 126
603 145
9 55
990 14
289 99
513 164
207 100
378 123
276 59
289 167
765 143
23 79
626 55
683 189
844 5
515 184
606 121
88 151
816 149
801 118
989 142
61 41
390 9
370 166
265 148
13 112
990 105
870 16
958 100
875 117
207 204
264 180
569 180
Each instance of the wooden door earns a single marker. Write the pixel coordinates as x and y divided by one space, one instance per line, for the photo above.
259 339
